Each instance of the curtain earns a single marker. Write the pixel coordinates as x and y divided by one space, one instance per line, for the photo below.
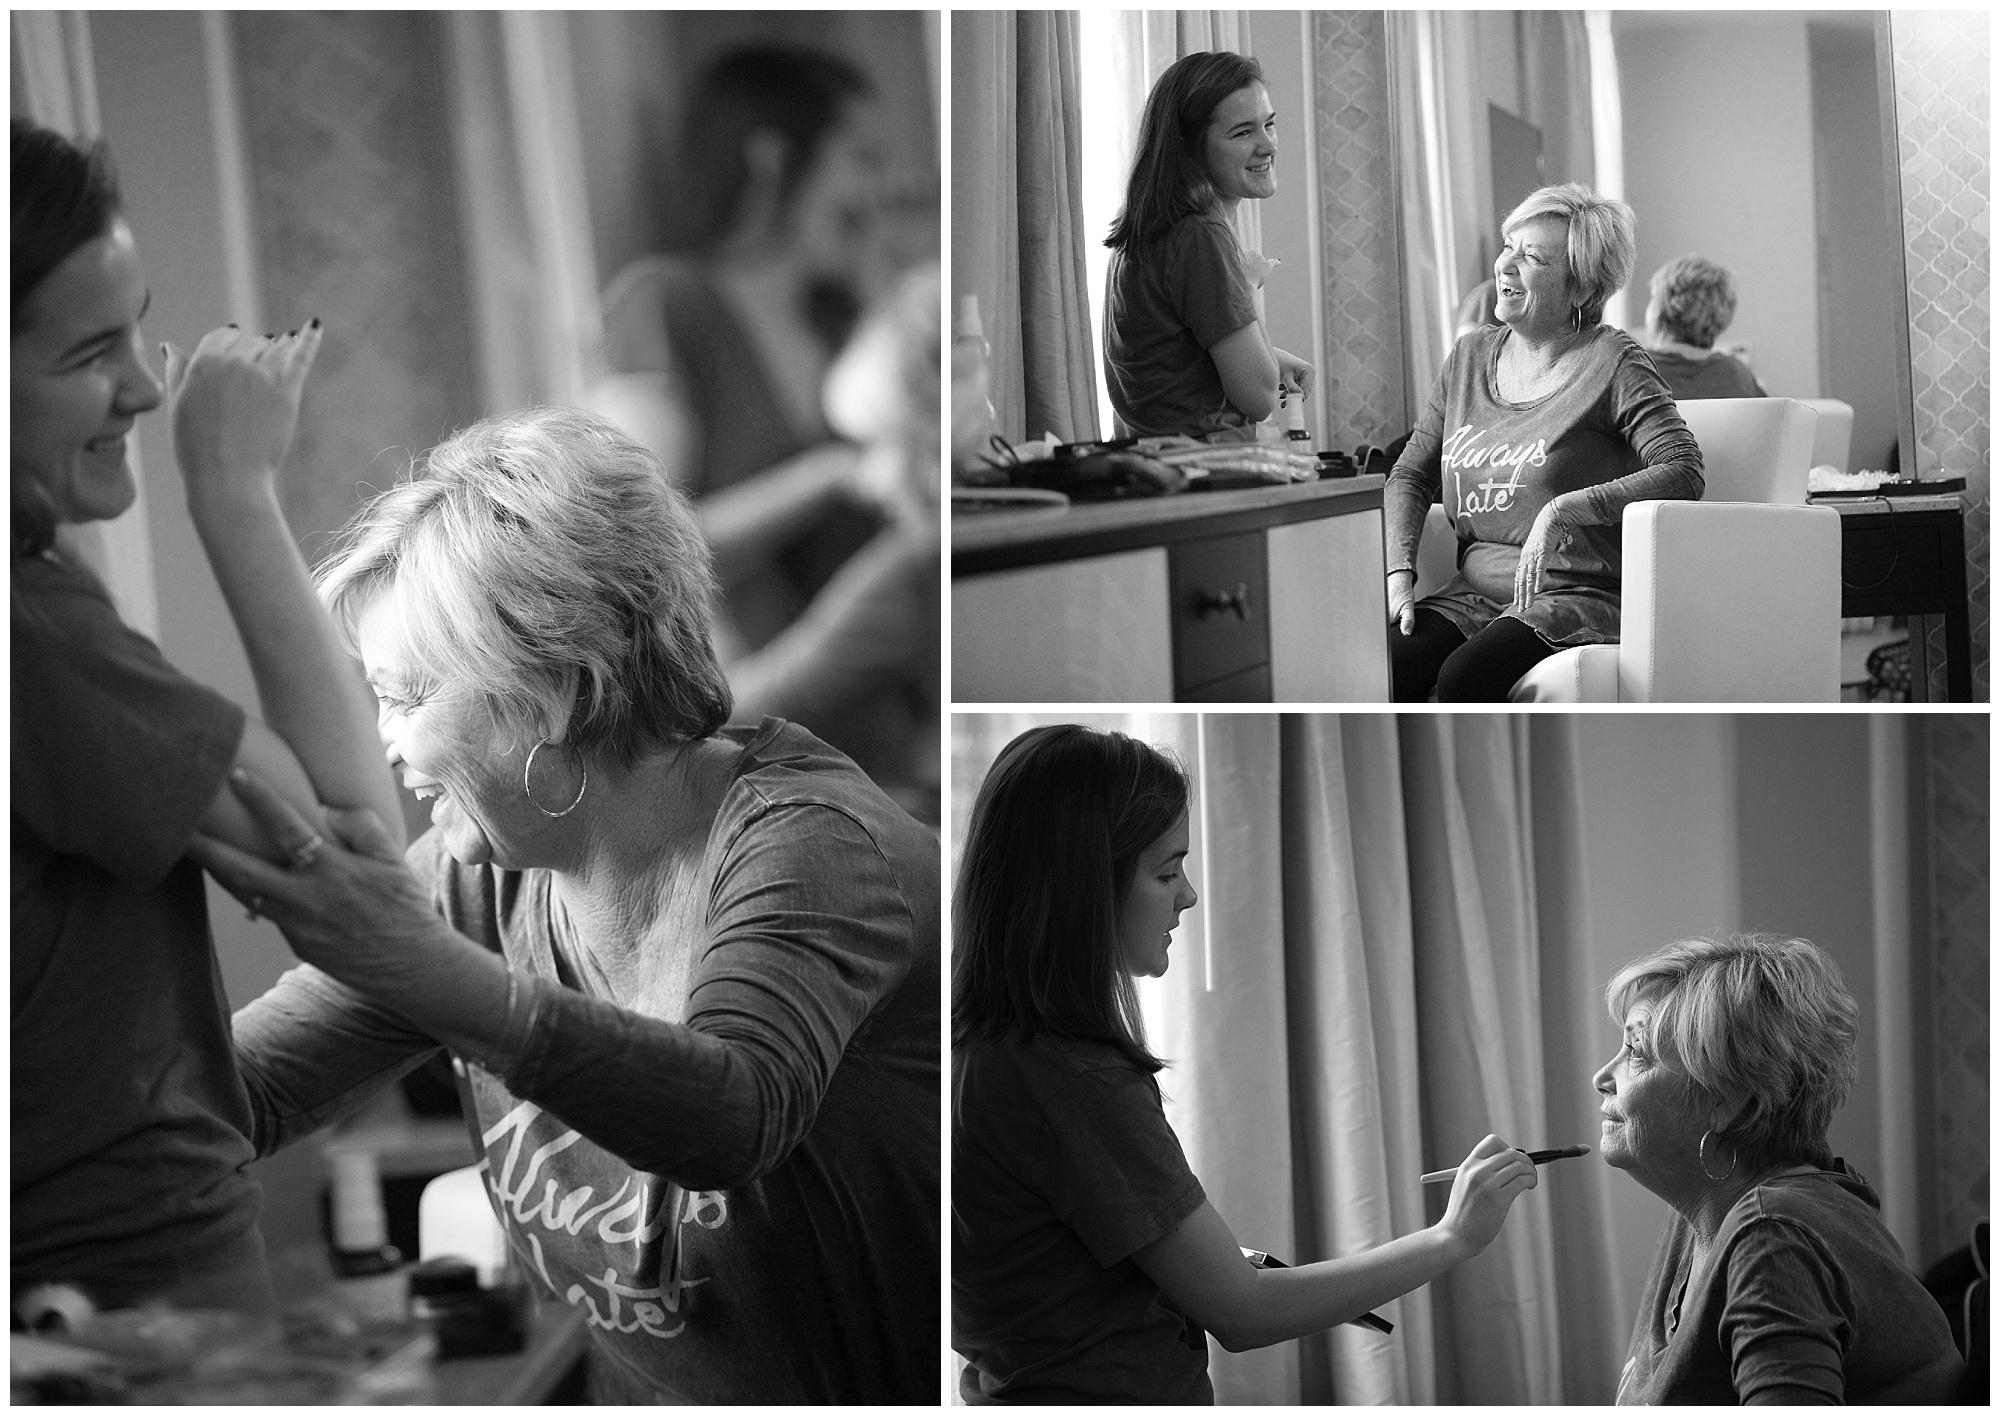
1374 888
1440 138
524 214
1057 363
1018 228
55 83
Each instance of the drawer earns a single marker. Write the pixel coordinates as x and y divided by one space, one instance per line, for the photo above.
1221 607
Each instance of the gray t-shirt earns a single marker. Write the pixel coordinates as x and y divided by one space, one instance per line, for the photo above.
740 1201
1802 1299
130 1126
1062 1167
1612 431
1710 375
1164 307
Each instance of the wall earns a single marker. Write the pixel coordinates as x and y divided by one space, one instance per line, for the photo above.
1718 161
1859 273
1657 839
1951 766
1941 66
1802 825
1362 384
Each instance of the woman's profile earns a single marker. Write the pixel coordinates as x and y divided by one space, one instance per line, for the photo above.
1087 1262
1184 350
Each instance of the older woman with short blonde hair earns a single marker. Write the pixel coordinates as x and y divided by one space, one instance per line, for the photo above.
1692 302
1776 1280
691 970
1539 434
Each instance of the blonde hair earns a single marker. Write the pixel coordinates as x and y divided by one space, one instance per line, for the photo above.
1603 240
1696 299
544 563
1758 1013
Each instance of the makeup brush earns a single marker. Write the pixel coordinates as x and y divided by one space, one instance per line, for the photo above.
1539 1157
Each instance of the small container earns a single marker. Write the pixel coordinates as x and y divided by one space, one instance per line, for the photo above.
1294 409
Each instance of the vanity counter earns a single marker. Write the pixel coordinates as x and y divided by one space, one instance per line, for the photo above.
1268 594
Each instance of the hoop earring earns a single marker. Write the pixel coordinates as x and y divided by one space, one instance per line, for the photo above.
1701 1152
1576 318
528 784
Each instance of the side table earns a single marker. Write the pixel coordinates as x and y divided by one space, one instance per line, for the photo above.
1906 556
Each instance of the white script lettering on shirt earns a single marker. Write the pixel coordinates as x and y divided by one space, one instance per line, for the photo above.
621 1219
1464 452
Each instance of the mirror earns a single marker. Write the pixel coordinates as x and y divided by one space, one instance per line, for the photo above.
1754 138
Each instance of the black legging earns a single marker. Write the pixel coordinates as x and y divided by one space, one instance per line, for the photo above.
1477 670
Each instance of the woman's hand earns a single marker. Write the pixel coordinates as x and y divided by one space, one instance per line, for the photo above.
1486 1185
235 406
1403 600
1550 532
340 902
1294 373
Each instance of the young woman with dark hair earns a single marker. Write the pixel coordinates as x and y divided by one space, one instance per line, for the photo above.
1184 351
130 1124
1086 1259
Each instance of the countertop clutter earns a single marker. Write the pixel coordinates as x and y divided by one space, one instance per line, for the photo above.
317 1354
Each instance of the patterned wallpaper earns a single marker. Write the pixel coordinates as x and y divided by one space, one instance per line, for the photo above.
1942 61
1357 215
356 222
1958 753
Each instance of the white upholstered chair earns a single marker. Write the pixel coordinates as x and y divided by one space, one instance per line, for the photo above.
1731 599
1833 432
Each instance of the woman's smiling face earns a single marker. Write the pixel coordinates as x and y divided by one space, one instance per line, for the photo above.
1654 1117
1240 146
444 746
1531 277
79 379
1153 904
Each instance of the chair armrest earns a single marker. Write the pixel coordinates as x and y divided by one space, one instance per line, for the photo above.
1730 602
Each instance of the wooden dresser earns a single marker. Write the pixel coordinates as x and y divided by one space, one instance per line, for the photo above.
1274 594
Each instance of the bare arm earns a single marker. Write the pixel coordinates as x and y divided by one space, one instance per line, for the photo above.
1201 1268
748 521
235 405
1249 371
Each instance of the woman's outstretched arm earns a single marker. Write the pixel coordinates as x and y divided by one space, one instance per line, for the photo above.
1201 1268
235 405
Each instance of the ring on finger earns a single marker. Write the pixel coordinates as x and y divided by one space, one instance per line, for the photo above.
306 852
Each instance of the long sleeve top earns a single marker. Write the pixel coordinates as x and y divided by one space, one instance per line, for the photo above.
1612 432
1803 1298
742 1199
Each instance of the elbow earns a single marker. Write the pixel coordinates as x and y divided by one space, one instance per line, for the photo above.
1256 404
1235 1339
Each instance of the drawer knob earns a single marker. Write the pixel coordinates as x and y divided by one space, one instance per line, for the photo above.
1222 602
